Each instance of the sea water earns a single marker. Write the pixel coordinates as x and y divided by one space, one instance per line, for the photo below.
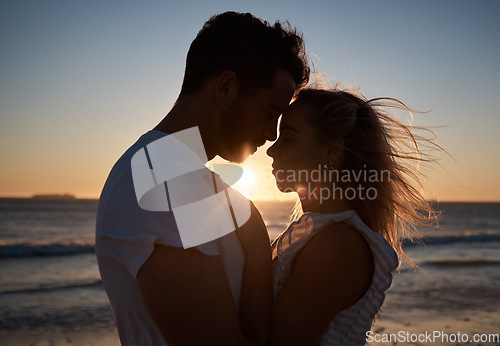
49 275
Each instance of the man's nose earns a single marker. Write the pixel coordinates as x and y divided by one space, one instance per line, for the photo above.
272 131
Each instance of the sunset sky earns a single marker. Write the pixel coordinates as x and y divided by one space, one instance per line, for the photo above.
80 81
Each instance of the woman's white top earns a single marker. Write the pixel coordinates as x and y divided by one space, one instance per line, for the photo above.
349 326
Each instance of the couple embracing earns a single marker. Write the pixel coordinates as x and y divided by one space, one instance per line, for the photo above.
322 281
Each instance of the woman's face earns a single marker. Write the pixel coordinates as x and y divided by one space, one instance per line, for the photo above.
298 155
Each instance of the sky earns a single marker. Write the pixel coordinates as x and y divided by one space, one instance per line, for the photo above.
80 81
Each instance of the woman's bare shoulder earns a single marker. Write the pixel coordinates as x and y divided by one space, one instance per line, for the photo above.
336 241
339 253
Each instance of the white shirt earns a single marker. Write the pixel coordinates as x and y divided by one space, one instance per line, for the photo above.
125 238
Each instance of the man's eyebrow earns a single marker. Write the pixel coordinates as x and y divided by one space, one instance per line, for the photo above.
277 109
287 127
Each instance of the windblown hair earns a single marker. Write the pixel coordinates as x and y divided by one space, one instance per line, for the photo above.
253 49
373 140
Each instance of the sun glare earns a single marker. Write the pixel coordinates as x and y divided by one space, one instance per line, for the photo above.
245 185
247 179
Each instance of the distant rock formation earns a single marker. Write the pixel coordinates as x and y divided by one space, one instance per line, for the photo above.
54 196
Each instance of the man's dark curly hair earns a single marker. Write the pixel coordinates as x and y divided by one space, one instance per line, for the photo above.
250 47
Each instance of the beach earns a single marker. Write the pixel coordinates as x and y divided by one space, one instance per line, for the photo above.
445 319
421 328
51 293
412 323
415 323
45 336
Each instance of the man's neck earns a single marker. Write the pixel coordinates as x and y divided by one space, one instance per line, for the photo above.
186 114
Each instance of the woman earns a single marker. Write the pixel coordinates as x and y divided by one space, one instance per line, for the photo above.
346 160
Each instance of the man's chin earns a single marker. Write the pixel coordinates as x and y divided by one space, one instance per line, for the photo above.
235 157
239 155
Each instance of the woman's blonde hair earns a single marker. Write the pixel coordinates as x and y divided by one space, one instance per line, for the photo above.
373 141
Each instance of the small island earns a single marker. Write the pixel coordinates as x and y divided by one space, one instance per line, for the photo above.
54 196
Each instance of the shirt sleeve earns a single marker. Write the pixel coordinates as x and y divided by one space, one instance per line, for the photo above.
129 233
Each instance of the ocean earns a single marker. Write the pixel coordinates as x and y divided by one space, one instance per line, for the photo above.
49 275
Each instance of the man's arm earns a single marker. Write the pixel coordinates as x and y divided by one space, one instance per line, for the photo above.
256 289
189 298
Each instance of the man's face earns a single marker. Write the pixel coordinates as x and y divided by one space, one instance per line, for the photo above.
252 120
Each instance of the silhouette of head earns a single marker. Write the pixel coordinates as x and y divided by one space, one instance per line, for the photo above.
268 64
250 47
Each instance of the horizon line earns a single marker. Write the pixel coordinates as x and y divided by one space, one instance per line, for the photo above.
254 200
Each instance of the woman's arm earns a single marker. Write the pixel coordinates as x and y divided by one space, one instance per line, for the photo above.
329 274
256 290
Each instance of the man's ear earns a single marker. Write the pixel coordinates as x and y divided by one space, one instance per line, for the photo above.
226 87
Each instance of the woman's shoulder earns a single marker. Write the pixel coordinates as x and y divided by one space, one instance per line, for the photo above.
338 254
335 242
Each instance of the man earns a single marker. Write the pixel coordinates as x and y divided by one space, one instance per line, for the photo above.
240 75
